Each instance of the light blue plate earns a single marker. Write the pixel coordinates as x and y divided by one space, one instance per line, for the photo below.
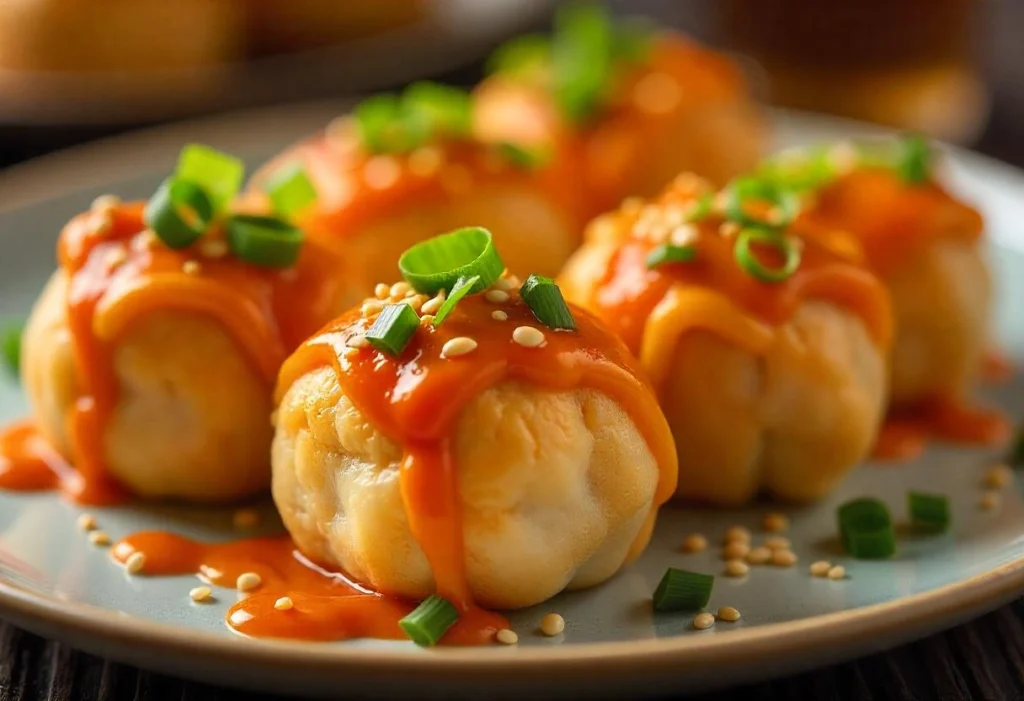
54 582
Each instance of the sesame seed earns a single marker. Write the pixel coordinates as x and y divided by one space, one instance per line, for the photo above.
496 296
416 302
504 284
213 248
190 267
777 542
460 345
400 289
506 637
989 501
425 161
736 568
729 614
381 172
703 621
552 624
684 235
821 568
105 203
735 550
381 290
357 342
371 307
499 315
729 229
837 572
783 558
432 305
144 240
759 555
695 543
656 93
86 522
285 603
135 562
426 319
99 538
245 518
775 523
998 476
528 336
247 581
737 533
200 594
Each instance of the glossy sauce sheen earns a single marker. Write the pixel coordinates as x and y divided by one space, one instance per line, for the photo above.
118 273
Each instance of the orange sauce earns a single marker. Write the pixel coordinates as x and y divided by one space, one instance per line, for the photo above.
28 463
118 272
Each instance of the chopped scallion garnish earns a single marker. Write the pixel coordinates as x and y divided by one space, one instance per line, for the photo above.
928 511
463 286
522 56
748 260
218 174
701 208
667 253
582 58
545 300
11 340
429 621
780 204
179 212
446 109
680 590
866 529
385 126
290 190
438 263
392 329
267 241
914 164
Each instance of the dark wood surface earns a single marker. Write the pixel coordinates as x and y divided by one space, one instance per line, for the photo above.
983 659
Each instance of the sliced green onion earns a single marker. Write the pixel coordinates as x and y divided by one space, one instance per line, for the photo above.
261 240
386 126
290 190
866 529
545 300
928 511
785 203
667 253
179 212
701 208
462 287
914 163
393 328
800 170
748 260
582 58
438 263
11 340
429 621
445 109
680 590
218 174
521 57
520 157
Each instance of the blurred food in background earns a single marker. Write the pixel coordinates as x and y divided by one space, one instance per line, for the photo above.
904 63
287 25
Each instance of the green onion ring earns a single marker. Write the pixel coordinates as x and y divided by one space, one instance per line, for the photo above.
460 290
743 189
749 262
179 212
438 263
262 240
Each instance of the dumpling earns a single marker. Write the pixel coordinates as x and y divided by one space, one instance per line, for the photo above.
768 352
491 459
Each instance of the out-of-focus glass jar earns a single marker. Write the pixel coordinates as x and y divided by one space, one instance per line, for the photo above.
907 63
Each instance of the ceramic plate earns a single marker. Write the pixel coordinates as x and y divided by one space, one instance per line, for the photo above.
55 583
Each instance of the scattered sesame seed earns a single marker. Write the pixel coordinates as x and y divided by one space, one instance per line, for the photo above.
213 248
998 476
381 172
504 284
552 624
777 542
499 315
729 614
989 501
190 267
285 603
695 543
656 93
86 522
400 289
837 572
416 302
729 229
135 562
783 558
99 538
247 581
200 594
684 235
357 342
703 621
506 637
426 319
245 518
775 523
528 337
759 555
735 550
736 568
145 239
496 296
425 161
105 203
382 290
737 533
371 307
460 345
432 305
821 568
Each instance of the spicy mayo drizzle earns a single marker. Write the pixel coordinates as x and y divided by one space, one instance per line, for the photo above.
119 272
